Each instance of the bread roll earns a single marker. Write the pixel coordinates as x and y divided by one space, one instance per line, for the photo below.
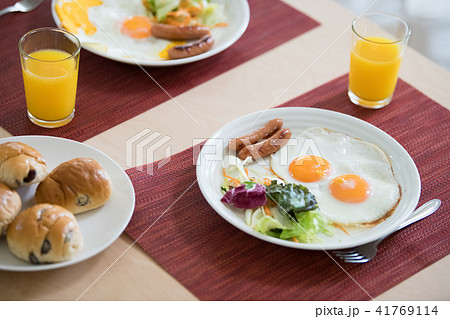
44 233
10 205
20 164
78 185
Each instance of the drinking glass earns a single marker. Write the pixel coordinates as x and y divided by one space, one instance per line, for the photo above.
50 62
378 44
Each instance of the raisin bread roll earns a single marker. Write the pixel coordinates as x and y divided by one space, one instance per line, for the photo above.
20 164
10 205
44 233
78 185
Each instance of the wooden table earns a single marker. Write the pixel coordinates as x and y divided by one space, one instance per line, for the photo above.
122 274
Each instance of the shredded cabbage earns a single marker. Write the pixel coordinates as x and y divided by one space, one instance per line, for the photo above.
161 7
306 229
212 14
234 166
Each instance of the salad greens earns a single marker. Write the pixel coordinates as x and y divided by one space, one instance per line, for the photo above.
292 198
160 8
212 15
294 213
307 227
247 195
190 11
290 212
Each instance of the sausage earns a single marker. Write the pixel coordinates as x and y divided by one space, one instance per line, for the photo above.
191 49
266 147
174 32
265 132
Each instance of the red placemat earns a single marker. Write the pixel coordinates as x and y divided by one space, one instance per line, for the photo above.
216 261
110 93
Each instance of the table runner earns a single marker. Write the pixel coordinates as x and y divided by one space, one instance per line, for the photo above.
216 261
110 92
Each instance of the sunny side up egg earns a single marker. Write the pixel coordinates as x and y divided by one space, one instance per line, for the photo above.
120 28
352 180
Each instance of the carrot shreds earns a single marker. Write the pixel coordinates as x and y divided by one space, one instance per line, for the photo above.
267 210
295 239
178 13
179 17
221 25
234 180
192 8
185 15
246 172
267 181
341 228
269 169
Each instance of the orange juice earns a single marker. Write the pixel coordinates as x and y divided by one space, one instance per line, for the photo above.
50 80
374 66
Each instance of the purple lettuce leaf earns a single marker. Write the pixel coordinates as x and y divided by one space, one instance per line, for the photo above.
248 195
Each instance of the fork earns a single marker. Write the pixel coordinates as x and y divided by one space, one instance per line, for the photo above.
366 252
22 6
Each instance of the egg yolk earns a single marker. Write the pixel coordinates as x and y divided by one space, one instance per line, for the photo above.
74 15
350 188
309 168
164 54
137 27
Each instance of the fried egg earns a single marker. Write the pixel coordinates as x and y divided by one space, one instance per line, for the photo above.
119 28
352 180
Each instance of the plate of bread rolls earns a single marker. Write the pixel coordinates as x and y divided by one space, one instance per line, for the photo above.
61 202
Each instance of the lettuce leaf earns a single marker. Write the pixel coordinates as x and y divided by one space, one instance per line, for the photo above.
267 224
160 8
308 226
292 198
212 14
296 215
247 195
306 229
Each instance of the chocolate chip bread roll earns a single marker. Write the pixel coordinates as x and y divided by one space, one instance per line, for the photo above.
20 164
10 205
78 185
44 233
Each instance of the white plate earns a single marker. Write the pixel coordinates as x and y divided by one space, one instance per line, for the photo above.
237 14
100 227
209 170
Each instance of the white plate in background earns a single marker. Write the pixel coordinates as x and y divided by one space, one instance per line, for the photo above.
237 13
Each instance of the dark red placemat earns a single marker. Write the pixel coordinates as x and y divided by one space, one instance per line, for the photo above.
110 93
216 261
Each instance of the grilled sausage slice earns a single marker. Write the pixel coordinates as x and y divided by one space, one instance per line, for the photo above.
265 132
174 32
191 49
266 147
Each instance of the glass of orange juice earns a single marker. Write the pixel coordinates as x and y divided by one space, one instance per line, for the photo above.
378 44
50 62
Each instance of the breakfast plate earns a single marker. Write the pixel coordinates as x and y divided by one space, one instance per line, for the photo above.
110 43
297 119
100 227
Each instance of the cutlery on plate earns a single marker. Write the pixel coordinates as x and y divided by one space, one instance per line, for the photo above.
22 6
366 252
